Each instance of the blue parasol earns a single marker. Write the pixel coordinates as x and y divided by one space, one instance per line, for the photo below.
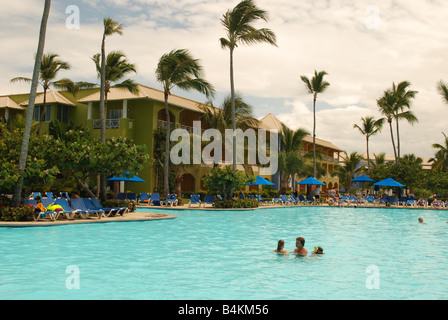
363 178
311 181
124 178
261 182
389 182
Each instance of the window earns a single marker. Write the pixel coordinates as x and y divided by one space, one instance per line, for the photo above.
115 114
63 113
38 113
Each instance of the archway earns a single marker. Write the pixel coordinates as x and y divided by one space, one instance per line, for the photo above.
188 182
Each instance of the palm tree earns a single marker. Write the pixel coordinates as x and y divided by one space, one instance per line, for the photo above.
386 106
404 97
115 69
179 69
315 86
291 161
111 27
30 110
49 67
369 127
73 87
350 166
442 88
238 24
440 160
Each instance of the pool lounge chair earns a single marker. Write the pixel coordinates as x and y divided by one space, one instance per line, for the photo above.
170 200
143 198
46 202
35 195
121 196
209 199
383 200
108 212
132 196
353 199
194 199
260 199
277 200
310 199
80 208
302 199
154 198
66 209
410 201
49 195
37 212
370 199
92 209
392 200
286 200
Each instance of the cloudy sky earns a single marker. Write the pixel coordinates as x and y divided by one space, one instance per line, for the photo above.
364 46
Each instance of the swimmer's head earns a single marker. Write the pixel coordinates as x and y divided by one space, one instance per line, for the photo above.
420 220
318 250
280 245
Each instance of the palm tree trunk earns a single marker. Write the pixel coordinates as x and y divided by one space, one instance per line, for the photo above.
314 135
232 94
368 156
392 138
398 141
166 186
44 111
103 90
30 110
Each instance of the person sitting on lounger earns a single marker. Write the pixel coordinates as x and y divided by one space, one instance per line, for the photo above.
421 202
280 246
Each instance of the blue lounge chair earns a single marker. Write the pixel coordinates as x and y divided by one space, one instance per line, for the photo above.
46 202
242 196
91 208
260 199
80 208
131 196
194 199
411 201
66 209
352 199
144 197
277 200
49 195
370 199
121 196
402 201
36 195
294 199
392 200
38 214
310 199
285 199
65 195
383 200
302 199
170 200
219 197
209 199
154 198
343 200
109 212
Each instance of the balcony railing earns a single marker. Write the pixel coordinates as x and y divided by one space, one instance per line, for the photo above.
110 124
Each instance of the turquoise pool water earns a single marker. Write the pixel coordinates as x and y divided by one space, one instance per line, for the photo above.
228 255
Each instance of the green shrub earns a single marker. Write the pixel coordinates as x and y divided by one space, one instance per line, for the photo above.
236 203
20 213
120 203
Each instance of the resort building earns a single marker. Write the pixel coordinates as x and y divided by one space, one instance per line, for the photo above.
137 116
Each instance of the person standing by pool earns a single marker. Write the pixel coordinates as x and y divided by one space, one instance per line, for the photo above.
280 246
317 194
300 250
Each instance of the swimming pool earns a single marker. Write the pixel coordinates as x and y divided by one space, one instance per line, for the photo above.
369 254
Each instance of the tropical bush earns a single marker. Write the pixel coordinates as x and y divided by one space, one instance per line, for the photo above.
20 213
224 181
236 203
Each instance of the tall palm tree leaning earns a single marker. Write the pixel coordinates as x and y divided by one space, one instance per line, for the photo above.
238 25
315 86
111 27
115 69
442 88
404 97
49 67
386 107
179 69
30 110
368 128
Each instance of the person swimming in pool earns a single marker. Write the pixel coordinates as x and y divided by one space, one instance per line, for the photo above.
420 220
318 250
280 246
300 250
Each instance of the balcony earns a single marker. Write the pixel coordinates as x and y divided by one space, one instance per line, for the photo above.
112 123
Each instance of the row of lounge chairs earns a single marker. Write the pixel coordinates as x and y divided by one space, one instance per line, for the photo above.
83 208
154 199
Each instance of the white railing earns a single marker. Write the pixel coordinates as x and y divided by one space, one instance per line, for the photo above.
110 124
